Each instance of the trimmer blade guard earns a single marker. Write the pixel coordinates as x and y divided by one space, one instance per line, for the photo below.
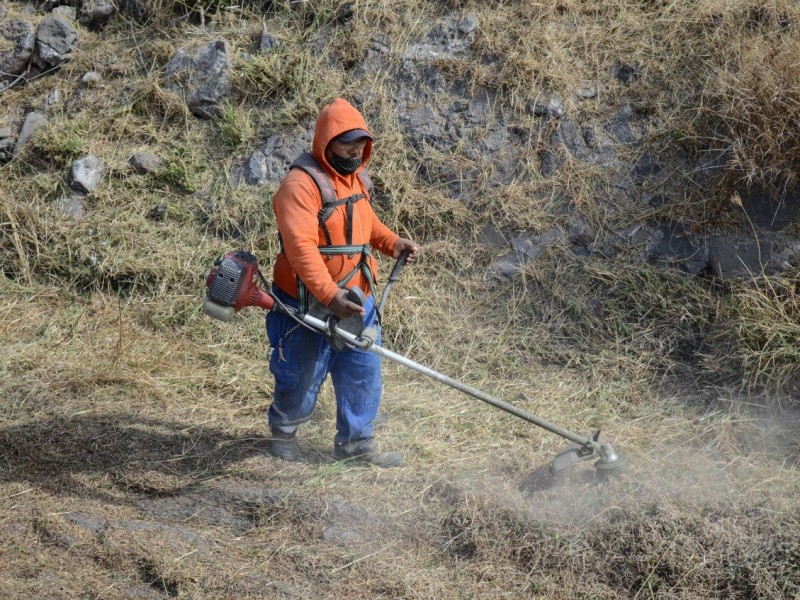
572 454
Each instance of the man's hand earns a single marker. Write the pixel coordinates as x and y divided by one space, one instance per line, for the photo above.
403 244
344 308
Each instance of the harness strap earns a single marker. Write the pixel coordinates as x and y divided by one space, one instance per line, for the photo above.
330 202
304 296
327 210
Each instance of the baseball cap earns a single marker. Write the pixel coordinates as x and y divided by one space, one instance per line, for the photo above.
353 135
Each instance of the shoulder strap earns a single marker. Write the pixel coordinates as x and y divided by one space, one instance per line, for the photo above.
366 181
309 164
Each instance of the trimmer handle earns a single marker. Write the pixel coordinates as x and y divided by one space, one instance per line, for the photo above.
393 276
398 266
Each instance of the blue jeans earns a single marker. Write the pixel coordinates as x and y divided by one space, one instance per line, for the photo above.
300 362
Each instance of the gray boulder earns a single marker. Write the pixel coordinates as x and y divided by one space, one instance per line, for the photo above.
68 12
551 106
687 251
145 162
267 42
17 35
492 236
271 161
55 39
619 125
6 144
768 211
584 92
468 24
738 256
54 97
85 174
586 144
203 78
508 265
93 13
33 122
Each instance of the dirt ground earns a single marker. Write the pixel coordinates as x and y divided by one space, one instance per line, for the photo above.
135 477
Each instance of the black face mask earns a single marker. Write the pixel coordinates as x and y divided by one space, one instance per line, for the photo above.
345 166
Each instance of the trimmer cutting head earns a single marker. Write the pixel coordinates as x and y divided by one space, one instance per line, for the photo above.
609 463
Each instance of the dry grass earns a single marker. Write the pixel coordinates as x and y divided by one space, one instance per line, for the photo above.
133 443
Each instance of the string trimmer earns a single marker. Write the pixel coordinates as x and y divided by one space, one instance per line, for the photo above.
233 284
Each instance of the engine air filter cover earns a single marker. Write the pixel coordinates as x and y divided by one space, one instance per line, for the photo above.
224 289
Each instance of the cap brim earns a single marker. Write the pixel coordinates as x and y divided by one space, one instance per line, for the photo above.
353 136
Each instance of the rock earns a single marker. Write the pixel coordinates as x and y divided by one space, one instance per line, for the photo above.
551 161
424 124
585 144
91 77
496 140
579 231
375 58
680 248
17 34
271 161
67 12
645 167
585 92
204 78
767 212
619 125
738 256
55 39
624 73
468 24
491 236
85 174
72 206
145 162
53 97
552 106
508 265
480 107
267 42
95 12
530 246
157 212
573 139
33 122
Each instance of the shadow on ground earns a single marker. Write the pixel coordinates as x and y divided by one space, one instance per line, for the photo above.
138 454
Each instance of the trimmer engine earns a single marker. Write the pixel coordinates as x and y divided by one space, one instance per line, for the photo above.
233 285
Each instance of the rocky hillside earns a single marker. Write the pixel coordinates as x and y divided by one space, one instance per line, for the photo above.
642 135
606 197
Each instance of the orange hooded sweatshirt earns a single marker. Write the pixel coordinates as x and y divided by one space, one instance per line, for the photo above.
297 203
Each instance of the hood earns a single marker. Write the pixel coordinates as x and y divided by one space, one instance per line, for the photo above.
334 119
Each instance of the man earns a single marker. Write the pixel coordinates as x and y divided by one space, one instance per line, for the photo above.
328 229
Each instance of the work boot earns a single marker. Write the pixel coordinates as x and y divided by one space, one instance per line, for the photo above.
284 445
364 451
